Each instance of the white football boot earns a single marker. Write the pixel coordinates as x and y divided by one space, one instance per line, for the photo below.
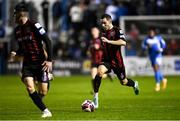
46 113
136 88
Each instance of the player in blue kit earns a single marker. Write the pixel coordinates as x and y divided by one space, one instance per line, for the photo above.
155 45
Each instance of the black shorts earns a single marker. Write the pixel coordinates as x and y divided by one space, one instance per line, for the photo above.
36 72
94 65
119 71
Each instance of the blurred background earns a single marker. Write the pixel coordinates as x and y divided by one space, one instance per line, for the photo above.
68 24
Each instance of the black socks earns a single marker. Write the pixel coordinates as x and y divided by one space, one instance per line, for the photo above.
97 83
130 83
37 101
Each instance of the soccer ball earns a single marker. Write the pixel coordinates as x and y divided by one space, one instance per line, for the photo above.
87 106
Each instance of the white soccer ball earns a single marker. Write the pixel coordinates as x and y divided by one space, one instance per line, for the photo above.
87 106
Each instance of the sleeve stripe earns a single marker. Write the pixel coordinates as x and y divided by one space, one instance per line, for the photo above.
42 31
38 25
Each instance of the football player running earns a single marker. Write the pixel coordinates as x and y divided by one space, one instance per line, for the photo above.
155 45
30 37
112 39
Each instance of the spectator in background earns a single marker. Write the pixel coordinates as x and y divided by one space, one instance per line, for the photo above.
3 57
133 35
45 9
150 7
33 15
76 16
56 14
160 7
2 29
89 17
112 10
3 50
173 47
130 50
122 10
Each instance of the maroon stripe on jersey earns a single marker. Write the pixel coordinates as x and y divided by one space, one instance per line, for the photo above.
35 44
120 59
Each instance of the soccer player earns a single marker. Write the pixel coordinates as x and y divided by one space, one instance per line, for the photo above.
112 40
30 37
96 52
155 45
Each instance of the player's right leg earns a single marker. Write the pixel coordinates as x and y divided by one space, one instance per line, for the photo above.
102 69
43 90
28 79
30 85
157 75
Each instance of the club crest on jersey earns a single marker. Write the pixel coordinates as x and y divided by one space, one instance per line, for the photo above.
112 33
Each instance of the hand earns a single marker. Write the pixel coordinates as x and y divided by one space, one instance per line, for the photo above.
160 50
47 66
104 39
96 46
12 56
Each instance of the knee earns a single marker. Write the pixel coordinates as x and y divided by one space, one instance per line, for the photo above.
30 89
123 82
100 73
43 92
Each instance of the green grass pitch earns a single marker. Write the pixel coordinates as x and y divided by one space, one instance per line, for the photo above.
117 102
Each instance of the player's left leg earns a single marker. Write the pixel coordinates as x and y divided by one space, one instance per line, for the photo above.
120 72
158 74
43 89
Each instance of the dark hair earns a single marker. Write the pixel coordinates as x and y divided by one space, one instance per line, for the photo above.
153 28
107 16
21 7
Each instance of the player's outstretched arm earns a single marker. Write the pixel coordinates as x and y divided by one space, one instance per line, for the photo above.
116 42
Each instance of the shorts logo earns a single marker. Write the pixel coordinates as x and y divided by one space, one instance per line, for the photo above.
122 75
44 77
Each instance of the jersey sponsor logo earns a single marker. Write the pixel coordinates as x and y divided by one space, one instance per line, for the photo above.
18 32
24 38
122 75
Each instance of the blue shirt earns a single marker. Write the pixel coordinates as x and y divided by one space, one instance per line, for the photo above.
155 46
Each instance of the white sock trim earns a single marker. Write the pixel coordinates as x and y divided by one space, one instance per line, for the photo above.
96 95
